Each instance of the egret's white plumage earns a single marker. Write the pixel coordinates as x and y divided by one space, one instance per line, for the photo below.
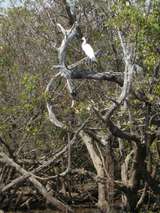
88 50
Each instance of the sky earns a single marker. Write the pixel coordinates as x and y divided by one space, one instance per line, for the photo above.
9 3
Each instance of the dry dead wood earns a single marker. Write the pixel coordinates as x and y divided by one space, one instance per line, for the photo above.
42 190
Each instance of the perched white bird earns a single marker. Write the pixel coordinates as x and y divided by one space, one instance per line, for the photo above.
88 50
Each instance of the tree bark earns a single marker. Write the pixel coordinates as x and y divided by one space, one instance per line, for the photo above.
98 164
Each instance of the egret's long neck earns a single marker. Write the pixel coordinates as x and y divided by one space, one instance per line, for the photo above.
84 41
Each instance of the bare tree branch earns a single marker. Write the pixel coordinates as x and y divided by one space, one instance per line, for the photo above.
53 201
89 74
53 118
51 114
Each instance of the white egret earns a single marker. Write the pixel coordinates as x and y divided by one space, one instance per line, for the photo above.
88 50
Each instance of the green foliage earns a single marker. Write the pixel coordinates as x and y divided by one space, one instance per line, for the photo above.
29 93
139 28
